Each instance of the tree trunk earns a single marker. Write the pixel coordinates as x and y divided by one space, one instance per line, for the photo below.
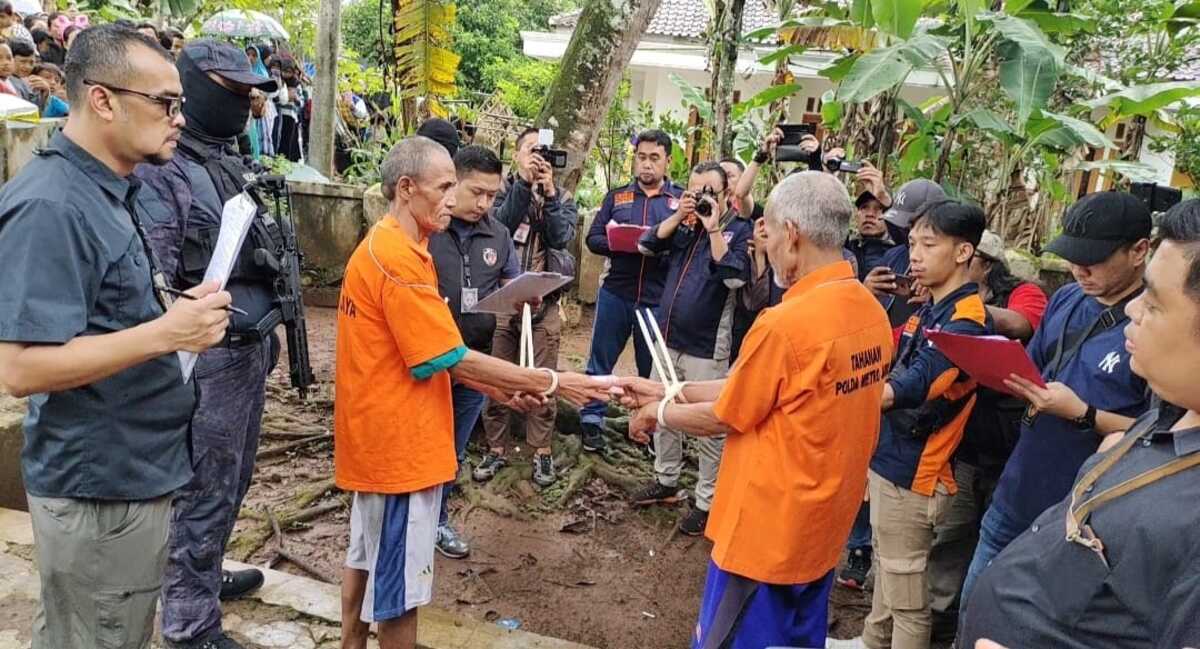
589 74
325 110
726 32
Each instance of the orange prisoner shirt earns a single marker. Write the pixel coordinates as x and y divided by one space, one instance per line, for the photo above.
803 402
393 433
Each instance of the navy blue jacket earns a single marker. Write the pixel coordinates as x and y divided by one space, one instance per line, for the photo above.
696 311
933 399
633 276
1050 451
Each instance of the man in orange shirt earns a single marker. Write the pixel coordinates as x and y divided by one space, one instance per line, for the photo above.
801 414
398 351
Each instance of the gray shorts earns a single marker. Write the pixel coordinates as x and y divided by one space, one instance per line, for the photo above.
101 566
392 538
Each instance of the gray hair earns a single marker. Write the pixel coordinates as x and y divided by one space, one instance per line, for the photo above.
409 157
816 203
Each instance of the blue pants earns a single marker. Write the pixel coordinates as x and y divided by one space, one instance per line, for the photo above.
740 613
860 534
996 531
615 322
225 428
468 404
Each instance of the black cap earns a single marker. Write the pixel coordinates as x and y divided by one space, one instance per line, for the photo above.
865 198
1096 226
442 132
227 62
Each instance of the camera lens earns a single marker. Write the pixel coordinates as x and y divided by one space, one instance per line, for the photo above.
704 208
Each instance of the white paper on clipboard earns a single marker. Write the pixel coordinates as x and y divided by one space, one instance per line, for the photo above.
527 287
236 218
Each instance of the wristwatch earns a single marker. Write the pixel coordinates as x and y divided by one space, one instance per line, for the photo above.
1086 421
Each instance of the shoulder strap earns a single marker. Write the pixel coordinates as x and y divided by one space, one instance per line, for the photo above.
1107 319
1077 514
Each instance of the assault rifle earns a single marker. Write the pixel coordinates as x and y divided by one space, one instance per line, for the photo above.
272 195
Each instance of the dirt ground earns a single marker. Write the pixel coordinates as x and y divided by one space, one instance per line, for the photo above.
587 568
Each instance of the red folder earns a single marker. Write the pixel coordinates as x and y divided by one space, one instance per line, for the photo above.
987 359
624 238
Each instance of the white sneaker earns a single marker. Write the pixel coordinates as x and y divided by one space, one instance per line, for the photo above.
854 643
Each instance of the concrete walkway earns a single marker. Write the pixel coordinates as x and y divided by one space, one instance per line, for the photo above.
288 612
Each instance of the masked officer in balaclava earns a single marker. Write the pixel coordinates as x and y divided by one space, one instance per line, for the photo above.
184 200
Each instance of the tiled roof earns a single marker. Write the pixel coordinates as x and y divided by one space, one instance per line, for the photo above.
687 18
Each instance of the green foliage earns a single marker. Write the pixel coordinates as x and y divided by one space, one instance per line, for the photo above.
361 22
1144 101
523 84
1029 63
896 17
357 78
1184 145
487 36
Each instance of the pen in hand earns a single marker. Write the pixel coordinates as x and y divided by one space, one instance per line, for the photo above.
187 296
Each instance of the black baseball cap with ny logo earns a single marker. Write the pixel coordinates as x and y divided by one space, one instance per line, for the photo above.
1098 225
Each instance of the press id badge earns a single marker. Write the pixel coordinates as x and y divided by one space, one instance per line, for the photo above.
470 297
522 233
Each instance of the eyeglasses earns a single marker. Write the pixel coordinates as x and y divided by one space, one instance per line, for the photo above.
172 105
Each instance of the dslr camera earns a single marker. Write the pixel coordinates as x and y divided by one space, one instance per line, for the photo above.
1158 198
703 207
546 151
836 165
556 157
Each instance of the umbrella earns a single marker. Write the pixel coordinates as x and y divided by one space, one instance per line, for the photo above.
27 7
235 23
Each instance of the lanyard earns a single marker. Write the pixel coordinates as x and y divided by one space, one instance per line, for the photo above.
466 257
157 278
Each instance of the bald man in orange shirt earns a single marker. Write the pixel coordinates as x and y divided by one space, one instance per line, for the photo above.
801 411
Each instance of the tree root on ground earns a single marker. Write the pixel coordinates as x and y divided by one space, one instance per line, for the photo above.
299 509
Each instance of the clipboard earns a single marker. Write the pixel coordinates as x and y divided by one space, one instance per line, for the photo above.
624 237
236 217
527 287
988 359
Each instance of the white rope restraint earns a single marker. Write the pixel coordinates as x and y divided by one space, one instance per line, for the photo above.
663 364
525 355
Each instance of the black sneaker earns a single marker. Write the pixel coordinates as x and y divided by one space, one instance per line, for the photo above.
488 467
657 493
239 583
593 438
858 564
218 641
693 522
543 470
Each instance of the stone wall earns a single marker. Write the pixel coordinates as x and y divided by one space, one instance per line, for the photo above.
329 223
12 488
18 141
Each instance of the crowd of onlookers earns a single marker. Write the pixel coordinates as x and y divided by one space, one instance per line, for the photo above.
34 49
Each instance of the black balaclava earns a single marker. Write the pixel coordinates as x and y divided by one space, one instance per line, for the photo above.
211 109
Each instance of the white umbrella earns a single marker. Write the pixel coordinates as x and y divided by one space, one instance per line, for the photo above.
236 23
27 7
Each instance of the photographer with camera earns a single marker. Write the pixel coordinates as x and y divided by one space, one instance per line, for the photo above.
541 219
705 248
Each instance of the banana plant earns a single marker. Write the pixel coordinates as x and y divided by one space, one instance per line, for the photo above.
425 66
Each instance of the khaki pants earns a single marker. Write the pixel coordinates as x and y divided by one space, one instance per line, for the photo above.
668 444
903 524
101 567
953 547
506 345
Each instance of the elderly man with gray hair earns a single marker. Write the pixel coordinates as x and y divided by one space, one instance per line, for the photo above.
398 353
800 415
